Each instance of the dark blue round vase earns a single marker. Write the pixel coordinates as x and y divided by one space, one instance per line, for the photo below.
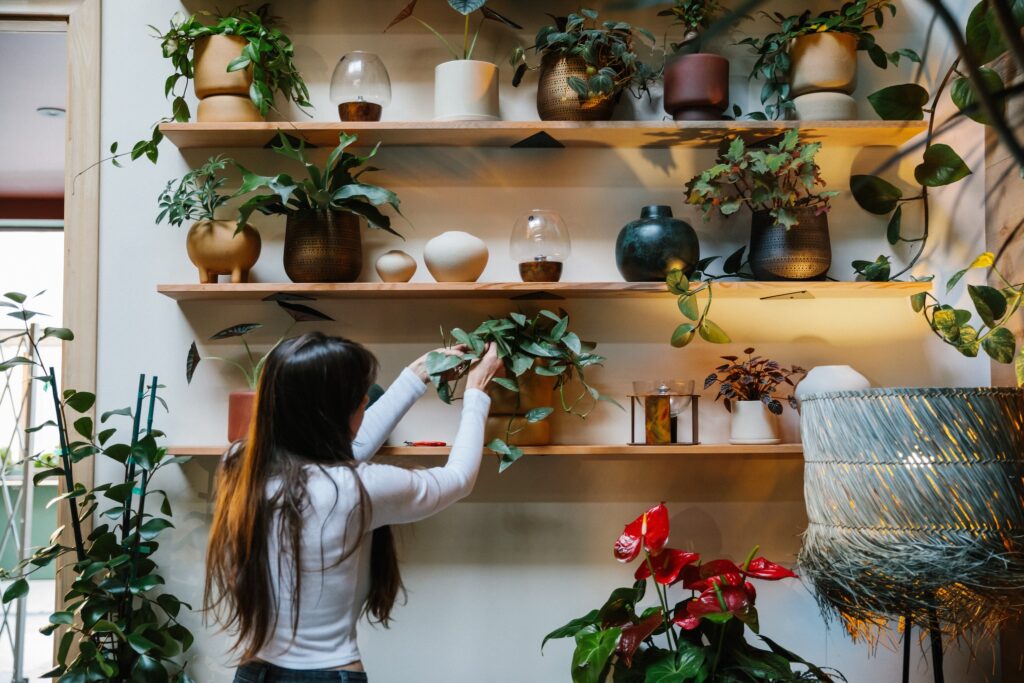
648 248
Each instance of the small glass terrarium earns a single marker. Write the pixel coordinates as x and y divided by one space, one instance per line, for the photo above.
540 244
360 86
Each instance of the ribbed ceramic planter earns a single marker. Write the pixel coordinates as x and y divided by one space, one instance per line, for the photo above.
556 101
697 87
803 252
215 249
466 90
648 248
323 246
823 61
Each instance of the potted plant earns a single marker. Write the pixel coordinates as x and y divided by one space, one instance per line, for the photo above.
242 403
778 182
465 89
532 348
696 82
237 63
747 388
585 66
701 638
321 241
215 247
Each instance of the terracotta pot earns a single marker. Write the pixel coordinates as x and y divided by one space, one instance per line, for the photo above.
526 433
466 90
241 407
556 101
323 246
211 59
535 391
823 61
803 252
227 108
215 249
697 87
825 106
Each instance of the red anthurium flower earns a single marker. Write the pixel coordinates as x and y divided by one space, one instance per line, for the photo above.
707 575
649 530
668 564
760 568
734 600
634 634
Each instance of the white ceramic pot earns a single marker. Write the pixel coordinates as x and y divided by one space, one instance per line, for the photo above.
825 106
753 423
466 90
828 378
396 266
455 256
823 61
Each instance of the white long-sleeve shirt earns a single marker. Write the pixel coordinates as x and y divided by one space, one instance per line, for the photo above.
332 593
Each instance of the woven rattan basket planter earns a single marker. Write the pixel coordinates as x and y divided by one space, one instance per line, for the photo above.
915 503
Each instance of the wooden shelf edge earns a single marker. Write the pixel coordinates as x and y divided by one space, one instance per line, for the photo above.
787 450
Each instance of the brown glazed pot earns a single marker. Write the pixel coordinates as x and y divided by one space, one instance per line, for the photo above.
803 252
323 246
215 249
211 75
241 406
697 87
556 101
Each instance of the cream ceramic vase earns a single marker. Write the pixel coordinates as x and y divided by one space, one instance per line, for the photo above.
455 256
828 378
215 249
753 423
466 90
395 266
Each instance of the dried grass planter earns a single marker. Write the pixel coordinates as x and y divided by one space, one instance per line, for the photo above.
914 501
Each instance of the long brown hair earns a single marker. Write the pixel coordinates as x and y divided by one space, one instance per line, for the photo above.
309 389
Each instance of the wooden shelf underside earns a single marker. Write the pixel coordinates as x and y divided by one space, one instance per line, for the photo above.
533 290
786 451
599 134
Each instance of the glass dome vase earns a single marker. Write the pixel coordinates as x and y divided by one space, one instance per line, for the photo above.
360 86
540 245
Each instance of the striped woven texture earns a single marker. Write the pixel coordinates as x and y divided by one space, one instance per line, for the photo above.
915 503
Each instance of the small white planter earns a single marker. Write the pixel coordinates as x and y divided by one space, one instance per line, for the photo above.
828 378
466 90
753 423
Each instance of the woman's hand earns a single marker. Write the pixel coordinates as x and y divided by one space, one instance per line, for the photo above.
419 366
485 369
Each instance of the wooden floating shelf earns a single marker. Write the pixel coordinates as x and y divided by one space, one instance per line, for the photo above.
533 290
786 451
538 134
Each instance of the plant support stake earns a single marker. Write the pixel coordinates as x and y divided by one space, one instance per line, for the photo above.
69 479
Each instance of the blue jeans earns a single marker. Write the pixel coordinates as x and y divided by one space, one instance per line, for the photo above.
261 672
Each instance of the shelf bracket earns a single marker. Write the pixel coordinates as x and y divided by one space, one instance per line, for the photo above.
538 296
284 296
292 140
539 140
798 294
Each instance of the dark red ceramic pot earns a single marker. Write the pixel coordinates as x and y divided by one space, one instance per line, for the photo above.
697 87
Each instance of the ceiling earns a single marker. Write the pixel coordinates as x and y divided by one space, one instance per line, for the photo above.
32 145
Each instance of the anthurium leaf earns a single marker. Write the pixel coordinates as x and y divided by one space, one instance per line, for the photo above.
989 302
904 102
964 97
687 665
588 620
1000 345
874 194
593 650
236 330
941 166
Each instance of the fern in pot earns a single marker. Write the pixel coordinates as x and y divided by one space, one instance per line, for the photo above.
323 211
780 184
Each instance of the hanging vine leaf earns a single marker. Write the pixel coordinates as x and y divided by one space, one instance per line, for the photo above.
941 166
892 232
983 36
683 335
875 195
191 363
989 302
1000 345
966 99
237 330
904 102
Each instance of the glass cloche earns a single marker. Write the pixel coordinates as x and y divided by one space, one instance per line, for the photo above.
360 86
540 244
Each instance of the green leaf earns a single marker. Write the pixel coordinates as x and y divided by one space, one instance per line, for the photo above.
683 335
734 262
18 589
989 302
507 383
148 670
904 102
593 650
941 166
13 362
16 297
983 35
141 644
964 97
917 301
62 618
62 333
687 665
153 527
677 282
538 414
874 194
1018 366
711 332
892 232
80 401
688 307
999 344
83 426
572 628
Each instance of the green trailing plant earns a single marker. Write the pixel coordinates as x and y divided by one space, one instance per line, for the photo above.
251 365
542 344
268 53
753 379
195 196
860 18
334 187
469 36
979 93
607 48
116 618
693 17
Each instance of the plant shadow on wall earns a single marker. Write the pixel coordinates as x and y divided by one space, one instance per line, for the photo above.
700 638
121 627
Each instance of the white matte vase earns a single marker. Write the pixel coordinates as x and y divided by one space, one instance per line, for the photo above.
828 378
753 423
466 90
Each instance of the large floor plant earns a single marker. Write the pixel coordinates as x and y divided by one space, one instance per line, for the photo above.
116 624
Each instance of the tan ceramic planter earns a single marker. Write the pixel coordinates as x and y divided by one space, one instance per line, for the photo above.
227 108
211 59
241 406
823 61
535 391
215 249
825 106
532 434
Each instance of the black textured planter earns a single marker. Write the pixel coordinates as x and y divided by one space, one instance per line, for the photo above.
803 252
648 248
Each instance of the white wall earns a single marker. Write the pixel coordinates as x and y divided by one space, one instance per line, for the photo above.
531 549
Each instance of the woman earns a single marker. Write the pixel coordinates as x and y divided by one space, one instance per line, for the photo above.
300 546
